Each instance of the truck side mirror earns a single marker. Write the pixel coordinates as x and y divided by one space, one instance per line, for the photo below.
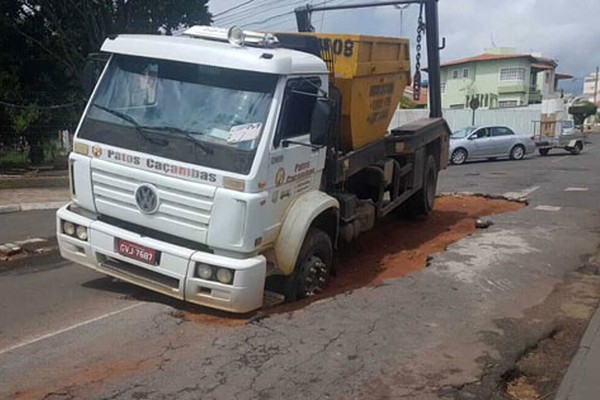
319 129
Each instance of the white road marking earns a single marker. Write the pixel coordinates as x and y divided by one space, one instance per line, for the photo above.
522 194
67 329
576 189
548 208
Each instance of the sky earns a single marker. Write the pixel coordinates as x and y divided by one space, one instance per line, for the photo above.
567 31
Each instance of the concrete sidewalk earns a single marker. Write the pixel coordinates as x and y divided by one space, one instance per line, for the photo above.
15 200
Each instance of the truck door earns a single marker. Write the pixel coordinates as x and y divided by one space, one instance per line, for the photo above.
295 167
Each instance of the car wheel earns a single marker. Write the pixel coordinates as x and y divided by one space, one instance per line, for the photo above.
544 152
577 149
313 267
517 152
459 156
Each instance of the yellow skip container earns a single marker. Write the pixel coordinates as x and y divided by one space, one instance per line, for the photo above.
371 72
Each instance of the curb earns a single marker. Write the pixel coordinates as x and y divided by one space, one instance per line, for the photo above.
12 208
570 380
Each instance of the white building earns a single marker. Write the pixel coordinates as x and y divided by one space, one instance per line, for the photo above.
589 85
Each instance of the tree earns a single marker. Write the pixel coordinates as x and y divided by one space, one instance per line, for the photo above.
44 45
581 110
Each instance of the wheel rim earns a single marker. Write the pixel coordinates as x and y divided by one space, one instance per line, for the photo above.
459 156
315 275
518 153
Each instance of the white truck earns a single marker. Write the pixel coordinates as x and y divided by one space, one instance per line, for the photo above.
209 165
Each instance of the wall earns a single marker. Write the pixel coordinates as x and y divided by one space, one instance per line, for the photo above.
518 119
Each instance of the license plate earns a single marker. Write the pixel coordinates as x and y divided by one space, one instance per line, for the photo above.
137 252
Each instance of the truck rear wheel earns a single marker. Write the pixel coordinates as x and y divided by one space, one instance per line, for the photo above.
544 152
313 267
421 203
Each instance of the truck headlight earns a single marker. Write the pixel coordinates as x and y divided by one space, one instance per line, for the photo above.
225 275
68 228
81 233
204 271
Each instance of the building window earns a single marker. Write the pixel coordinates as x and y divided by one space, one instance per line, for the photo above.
466 73
508 103
443 87
512 74
455 74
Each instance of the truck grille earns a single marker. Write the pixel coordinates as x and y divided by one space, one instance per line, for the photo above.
184 210
134 271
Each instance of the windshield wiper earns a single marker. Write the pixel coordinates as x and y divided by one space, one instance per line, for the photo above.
187 134
136 125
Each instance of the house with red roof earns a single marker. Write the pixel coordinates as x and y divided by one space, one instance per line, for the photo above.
499 78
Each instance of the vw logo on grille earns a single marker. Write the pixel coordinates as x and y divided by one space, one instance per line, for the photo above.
146 198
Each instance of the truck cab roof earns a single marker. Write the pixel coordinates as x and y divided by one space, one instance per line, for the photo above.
277 61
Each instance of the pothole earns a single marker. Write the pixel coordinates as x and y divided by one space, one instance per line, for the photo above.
394 249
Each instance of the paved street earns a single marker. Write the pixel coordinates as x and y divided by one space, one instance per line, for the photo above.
23 225
448 331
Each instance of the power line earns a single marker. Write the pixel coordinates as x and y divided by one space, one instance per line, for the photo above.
270 18
233 8
323 16
257 8
271 9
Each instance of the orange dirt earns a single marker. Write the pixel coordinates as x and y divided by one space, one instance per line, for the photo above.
393 249
209 316
85 377
396 247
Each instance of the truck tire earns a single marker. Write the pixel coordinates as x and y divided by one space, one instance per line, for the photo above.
421 203
577 149
313 267
544 152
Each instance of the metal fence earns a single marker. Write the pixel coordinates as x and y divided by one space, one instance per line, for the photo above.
17 151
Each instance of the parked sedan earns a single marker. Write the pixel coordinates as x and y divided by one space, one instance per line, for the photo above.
485 142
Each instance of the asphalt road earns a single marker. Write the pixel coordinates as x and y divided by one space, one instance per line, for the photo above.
66 332
24 225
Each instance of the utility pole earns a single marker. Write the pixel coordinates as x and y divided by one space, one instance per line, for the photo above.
596 85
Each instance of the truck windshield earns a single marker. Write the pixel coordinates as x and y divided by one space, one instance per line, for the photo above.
199 114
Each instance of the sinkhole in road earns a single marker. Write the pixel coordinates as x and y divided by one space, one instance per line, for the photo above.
393 249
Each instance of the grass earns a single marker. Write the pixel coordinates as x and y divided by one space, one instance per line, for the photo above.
14 160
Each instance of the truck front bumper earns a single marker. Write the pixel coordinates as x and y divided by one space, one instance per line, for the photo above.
174 274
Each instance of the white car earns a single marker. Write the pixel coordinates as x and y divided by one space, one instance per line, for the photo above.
488 142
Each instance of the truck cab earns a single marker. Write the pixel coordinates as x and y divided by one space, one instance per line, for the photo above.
185 161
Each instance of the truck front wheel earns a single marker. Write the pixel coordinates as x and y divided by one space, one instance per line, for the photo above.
313 267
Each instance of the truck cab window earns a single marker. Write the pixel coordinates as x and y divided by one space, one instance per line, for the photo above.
300 98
